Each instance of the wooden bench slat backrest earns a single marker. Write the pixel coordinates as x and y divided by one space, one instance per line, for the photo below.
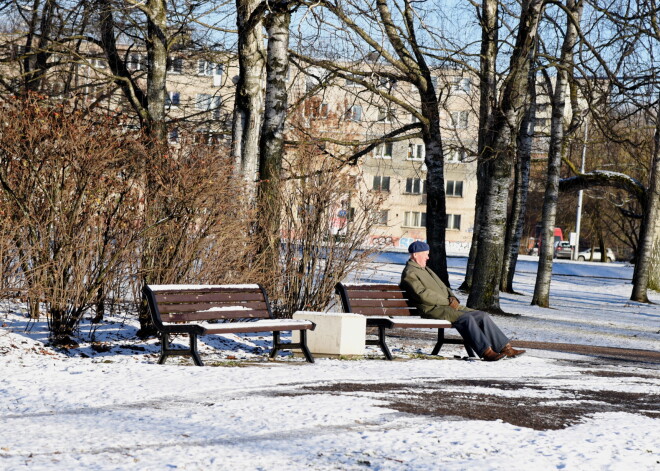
206 303
374 300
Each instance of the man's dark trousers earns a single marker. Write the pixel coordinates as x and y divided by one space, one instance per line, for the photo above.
477 328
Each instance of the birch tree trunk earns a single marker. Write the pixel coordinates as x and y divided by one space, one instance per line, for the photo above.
487 103
249 89
498 159
521 189
272 134
649 225
565 67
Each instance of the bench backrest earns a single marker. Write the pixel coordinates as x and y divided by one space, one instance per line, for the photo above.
374 299
194 303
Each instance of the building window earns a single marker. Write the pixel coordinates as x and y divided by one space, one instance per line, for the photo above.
459 119
175 65
416 151
454 188
381 217
387 83
137 62
203 101
454 221
414 219
99 63
206 102
316 110
173 136
461 85
383 151
205 67
415 186
173 99
354 113
381 183
386 115
414 118
456 155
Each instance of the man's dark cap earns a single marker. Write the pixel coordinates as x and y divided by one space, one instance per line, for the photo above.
418 246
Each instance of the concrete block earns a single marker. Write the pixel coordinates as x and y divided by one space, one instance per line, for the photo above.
336 333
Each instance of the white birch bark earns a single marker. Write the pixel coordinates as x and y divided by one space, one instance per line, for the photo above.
543 275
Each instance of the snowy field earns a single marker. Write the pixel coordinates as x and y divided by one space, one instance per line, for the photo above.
107 406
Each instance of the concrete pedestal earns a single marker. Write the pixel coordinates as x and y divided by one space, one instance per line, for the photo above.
336 333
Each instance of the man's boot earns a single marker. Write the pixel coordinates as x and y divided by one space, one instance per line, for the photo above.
492 355
511 352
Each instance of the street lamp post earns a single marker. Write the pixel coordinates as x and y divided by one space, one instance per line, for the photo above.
578 218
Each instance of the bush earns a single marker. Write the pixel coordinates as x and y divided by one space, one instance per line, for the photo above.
70 196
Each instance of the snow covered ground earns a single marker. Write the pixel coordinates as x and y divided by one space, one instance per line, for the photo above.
107 406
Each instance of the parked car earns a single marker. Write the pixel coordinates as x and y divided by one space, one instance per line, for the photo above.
586 255
563 249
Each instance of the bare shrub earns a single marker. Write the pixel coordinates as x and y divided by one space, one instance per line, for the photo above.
196 222
68 190
324 228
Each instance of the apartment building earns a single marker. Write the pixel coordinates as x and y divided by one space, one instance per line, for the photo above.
396 170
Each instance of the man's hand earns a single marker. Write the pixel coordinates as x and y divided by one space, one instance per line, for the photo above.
453 303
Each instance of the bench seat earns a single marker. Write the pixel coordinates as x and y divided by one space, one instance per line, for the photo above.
196 310
386 306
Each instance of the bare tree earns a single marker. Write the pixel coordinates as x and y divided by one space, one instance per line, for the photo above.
498 159
557 145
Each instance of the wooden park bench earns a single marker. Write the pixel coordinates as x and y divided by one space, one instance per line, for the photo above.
386 307
210 309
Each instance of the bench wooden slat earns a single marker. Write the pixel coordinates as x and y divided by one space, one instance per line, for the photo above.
373 287
376 295
375 311
386 303
187 307
247 327
169 297
209 316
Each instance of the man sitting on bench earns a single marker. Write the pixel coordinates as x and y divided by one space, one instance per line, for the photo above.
435 300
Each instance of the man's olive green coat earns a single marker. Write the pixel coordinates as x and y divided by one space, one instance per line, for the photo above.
428 293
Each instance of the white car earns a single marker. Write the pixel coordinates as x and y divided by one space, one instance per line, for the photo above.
586 255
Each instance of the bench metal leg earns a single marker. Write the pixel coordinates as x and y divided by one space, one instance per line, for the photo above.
440 342
193 350
381 343
164 347
469 350
276 344
166 351
302 345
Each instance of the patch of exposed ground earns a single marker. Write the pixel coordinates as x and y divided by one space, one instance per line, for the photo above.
565 407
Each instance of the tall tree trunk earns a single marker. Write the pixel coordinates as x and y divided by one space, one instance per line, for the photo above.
649 226
436 209
498 159
249 90
565 69
487 103
157 51
271 146
520 190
